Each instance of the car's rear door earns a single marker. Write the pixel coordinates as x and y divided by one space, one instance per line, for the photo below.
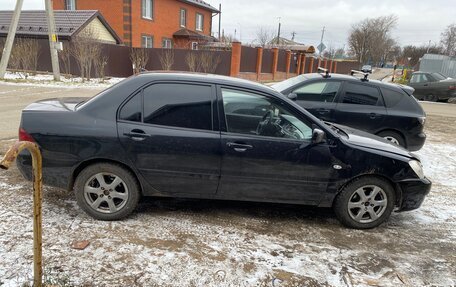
318 97
269 164
167 130
361 106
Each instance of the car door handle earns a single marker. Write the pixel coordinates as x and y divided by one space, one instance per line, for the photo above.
374 116
137 135
323 111
239 147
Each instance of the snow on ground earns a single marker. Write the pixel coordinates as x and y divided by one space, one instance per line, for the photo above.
48 81
175 242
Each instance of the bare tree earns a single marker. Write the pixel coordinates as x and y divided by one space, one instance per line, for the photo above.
166 58
139 58
209 61
264 36
370 39
192 61
25 55
415 53
100 65
86 49
448 40
65 57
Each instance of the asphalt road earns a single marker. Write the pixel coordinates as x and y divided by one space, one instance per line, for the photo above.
13 98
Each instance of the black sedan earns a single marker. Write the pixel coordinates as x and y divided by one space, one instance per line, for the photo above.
204 136
432 86
387 110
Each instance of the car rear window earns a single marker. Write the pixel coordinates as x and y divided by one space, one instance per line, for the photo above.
178 105
392 97
361 95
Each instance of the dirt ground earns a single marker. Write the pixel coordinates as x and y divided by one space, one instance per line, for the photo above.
177 242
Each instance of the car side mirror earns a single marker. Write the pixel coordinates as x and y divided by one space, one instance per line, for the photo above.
292 96
318 136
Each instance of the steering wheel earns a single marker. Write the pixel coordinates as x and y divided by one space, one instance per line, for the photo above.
267 119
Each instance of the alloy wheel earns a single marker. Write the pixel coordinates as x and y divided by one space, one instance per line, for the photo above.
367 204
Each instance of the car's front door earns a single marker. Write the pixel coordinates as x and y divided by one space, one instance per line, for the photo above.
167 131
361 106
318 97
267 151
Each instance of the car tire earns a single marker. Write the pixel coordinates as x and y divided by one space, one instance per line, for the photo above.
107 191
430 98
355 211
393 137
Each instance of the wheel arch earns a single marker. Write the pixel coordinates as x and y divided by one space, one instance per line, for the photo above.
396 187
90 162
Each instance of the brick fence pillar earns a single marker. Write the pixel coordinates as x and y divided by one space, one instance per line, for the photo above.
298 67
259 62
303 69
326 64
330 66
288 63
275 60
319 63
335 67
311 65
235 59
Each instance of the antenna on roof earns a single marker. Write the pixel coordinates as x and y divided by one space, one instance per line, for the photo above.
365 75
324 72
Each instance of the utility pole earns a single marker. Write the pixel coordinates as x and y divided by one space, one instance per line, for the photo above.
220 21
293 34
10 38
278 33
321 41
52 39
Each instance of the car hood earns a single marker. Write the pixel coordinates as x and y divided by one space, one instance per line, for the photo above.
367 140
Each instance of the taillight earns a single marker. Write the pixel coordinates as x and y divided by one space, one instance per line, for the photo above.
24 136
452 87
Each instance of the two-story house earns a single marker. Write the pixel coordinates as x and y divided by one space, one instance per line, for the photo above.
152 23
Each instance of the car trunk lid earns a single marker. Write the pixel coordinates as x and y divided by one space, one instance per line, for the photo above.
56 104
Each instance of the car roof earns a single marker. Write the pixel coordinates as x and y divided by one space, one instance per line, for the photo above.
206 78
347 78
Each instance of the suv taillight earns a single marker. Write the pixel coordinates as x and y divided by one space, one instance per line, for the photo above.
24 136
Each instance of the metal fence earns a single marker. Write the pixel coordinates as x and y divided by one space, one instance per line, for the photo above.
440 64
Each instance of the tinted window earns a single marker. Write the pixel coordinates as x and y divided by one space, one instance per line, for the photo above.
360 95
392 97
253 114
178 105
319 91
132 110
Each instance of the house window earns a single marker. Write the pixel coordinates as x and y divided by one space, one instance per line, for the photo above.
167 43
70 4
147 41
194 45
147 7
183 17
199 22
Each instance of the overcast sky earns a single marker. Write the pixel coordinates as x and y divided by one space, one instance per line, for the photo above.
419 20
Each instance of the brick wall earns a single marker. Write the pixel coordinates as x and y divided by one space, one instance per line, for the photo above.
166 18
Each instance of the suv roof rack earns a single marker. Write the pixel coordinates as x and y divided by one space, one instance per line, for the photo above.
360 73
325 72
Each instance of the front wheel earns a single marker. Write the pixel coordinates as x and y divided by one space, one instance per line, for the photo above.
365 203
107 191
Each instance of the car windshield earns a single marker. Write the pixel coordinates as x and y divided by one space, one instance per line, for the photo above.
438 76
282 86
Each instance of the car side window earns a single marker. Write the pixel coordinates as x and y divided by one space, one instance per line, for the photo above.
132 110
392 98
319 91
178 105
360 95
253 114
415 79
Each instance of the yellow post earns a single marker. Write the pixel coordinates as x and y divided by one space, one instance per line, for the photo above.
6 162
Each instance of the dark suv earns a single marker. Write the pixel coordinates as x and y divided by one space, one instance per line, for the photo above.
387 110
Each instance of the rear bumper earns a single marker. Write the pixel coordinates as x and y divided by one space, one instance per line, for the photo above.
413 193
416 141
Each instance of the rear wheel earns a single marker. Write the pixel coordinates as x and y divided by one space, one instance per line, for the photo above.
365 203
393 137
107 191
431 98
